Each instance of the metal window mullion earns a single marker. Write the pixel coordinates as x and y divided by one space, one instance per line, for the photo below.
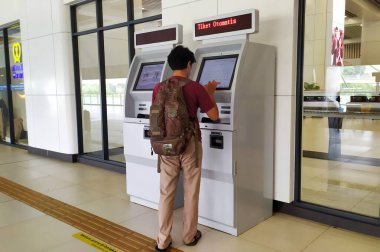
102 76
131 30
9 82
77 81
299 100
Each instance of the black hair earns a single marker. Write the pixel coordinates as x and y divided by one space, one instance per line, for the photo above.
179 57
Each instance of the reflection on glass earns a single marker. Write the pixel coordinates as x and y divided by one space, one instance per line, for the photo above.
341 107
4 115
114 11
17 85
146 8
90 91
86 16
117 66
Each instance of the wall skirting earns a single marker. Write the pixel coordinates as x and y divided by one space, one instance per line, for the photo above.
62 156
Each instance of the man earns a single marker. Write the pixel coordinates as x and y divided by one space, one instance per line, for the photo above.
196 96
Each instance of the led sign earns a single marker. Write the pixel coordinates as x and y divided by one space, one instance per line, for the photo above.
156 36
227 25
168 35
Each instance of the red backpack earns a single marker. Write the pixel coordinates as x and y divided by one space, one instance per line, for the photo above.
170 125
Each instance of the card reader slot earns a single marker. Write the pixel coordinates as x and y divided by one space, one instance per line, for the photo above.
146 132
207 120
220 121
144 116
225 112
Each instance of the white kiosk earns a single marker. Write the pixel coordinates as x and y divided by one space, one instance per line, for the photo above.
149 67
237 167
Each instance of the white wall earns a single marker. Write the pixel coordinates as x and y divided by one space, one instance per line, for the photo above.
48 71
278 21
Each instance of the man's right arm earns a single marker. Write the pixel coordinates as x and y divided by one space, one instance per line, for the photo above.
213 113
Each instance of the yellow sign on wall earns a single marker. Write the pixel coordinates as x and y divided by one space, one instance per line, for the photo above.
16 52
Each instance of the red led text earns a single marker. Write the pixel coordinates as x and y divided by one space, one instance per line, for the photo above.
217 23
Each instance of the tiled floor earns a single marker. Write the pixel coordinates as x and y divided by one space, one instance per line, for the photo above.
102 192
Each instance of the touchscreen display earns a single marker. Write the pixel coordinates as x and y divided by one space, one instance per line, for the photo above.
220 68
149 75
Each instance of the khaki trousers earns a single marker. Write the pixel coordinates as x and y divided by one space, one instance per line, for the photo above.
170 171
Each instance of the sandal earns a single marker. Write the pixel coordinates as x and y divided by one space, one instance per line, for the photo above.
197 237
165 249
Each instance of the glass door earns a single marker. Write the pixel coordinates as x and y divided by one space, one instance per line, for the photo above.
20 127
13 121
4 106
340 164
90 96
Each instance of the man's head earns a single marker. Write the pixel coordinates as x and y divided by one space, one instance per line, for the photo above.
180 57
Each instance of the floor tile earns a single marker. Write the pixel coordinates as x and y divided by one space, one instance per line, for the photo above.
76 195
4 198
284 233
81 173
341 240
46 184
112 184
114 209
12 212
35 235
221 242
53 168
20 175
38 161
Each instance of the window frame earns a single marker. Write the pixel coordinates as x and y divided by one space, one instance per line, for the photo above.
99 31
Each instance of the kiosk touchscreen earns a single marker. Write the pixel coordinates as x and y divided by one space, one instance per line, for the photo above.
220 68
237 165
149 75
149 67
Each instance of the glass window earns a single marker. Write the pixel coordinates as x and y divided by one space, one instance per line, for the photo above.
90 92
117 58
117 65
4 106
17 85
86 17
340 165
114 11
146 8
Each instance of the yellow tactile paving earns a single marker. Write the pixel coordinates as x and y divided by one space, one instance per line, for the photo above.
107 231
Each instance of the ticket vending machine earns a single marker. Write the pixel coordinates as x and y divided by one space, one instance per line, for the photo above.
149 67
237 167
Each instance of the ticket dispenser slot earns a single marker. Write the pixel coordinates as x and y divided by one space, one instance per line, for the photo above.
146 132
216 140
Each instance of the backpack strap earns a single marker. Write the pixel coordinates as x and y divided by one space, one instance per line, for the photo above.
159 164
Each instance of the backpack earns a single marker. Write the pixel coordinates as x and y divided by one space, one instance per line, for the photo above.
170 125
